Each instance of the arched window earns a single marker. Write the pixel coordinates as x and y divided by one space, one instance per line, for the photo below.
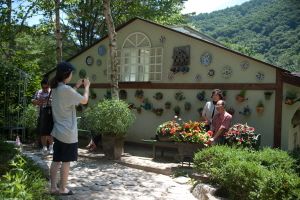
138 61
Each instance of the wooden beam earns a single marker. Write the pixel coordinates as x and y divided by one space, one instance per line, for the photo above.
202 86
278 110
291 79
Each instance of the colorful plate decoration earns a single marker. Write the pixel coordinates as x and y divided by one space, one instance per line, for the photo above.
170 76
226 72
82 73
260 76
198 78
211 73
89 60
101 50
244 65
99 62
205 58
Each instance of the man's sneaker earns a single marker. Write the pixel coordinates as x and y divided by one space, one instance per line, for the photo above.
51 151
42 151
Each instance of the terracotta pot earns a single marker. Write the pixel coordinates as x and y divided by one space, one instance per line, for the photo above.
187 108
177 114
260 109
167 106
139 111
239 98
267 97
289 101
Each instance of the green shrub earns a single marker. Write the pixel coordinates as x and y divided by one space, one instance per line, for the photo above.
23 181
247 175
295 153
29 117
8 151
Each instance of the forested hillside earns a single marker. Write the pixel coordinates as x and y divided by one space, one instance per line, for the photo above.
268 30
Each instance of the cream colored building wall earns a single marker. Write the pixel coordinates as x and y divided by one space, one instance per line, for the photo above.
147 122
288 111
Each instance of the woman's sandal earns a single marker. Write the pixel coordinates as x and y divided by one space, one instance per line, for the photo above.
92 149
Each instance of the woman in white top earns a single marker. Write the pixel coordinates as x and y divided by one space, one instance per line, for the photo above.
209 109
65 133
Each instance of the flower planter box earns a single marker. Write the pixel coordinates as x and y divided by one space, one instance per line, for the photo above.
189 149
164 138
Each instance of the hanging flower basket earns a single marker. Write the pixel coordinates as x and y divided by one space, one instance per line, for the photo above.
123 94
167 105
158 96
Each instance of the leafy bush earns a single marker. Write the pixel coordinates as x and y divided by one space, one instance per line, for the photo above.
8 151
110 116
24 181
264 175
29 116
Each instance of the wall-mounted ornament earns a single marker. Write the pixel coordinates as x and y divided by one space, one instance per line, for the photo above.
105 72
201 95
211 73
123 94
179 96
158 96
181 56
244 65
259 76
139 94
198 78
206 58
101 50
147 105
99 62
92 94
74 71
82 73
231 110
170 76
89 60
247 111
241 96
157 111
187 106
93 77
167 105
226 71
108 94
268 94
162 39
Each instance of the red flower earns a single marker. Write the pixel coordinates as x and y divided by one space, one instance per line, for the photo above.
173 130
238 124
187 126
173 133
183 132
190 134
196 131
201 138
245 130
252 129
210 133
162 129
165 133
226 133
241 140
206 142
169 126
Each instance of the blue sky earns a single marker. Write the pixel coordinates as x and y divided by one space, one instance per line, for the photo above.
207 6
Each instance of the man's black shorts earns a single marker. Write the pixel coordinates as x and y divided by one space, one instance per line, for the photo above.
64 152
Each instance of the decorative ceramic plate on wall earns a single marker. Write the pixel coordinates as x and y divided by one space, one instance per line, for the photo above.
93 77
82 73
244 65
101 50
211 73
226 72
259 76
74 71
170 76
105 72
205 58
198 78
99 62
89 60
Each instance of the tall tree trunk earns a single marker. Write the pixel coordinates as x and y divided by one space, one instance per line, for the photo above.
57 32
112 35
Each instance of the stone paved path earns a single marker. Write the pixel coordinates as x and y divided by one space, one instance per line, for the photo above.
94 178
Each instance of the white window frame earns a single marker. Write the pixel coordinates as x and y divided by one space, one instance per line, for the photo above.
138 61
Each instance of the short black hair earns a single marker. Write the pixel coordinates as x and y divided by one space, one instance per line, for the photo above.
45 81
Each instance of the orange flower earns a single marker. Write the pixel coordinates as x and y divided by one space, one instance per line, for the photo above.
190 134
210 133
187 126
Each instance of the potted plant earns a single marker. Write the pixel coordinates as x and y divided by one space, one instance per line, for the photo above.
108 94
147 105
247 111
200 96
158 96
192 138
241 96
231 110
138 109
158 111
187 106
290 96
92 94
242 135
167 105
260 107
268 94
139 94
166 130
123 94
112 119
130 105
200 110
224 94
179 96
177 110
